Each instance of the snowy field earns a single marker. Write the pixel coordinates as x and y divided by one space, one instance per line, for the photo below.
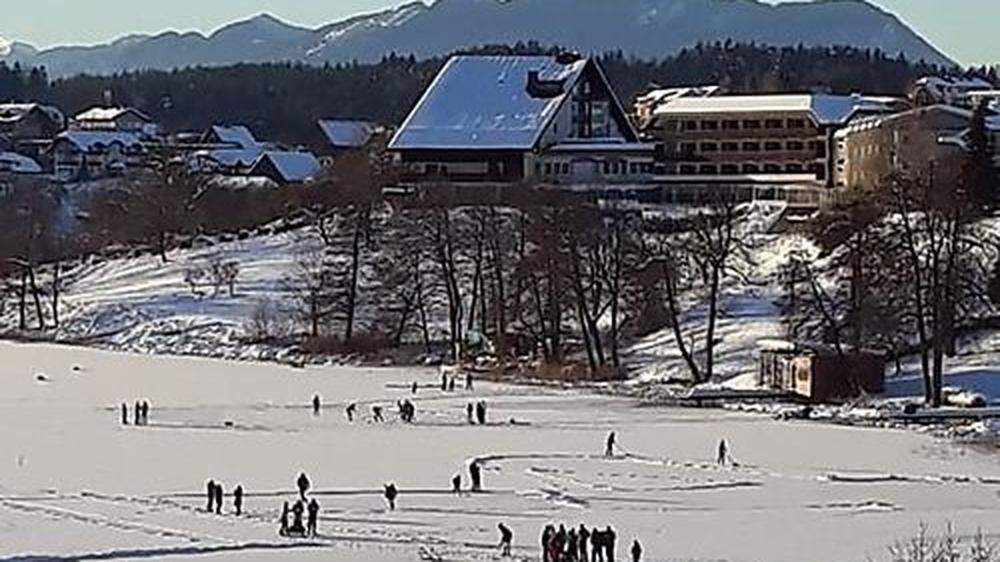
77 485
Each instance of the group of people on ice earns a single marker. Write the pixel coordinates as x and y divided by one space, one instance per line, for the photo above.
476 413
140 413
214 492
448 383
561 545
296 528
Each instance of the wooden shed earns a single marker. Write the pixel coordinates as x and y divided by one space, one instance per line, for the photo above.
820 373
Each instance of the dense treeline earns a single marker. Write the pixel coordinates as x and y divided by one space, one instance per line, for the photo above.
283 101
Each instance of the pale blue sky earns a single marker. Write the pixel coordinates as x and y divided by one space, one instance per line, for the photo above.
967 30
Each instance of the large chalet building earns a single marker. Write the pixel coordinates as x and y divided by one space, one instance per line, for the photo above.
496 120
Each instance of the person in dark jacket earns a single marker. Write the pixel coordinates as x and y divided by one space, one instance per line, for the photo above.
317 405
572 546
145 412
284 520
609 450
210 490
468 381
723 453
547 535
469 414
475 475
124 413
456 484
597 545
391 493
218 499
506 538
444 382
636 551
584 536
238 500
137 413
303 484
413 389
313 520
350 411
609 544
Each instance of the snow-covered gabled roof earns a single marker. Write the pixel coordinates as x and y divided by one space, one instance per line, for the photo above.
482 102
11 112
18 164
88 140
826 109
347 133
232 157
238 136
294 167
109 114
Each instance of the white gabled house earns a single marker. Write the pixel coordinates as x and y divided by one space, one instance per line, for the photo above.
89 155
511 119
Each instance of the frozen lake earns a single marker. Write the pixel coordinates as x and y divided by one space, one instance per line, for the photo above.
75 484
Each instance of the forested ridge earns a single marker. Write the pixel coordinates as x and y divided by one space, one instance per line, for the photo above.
283 101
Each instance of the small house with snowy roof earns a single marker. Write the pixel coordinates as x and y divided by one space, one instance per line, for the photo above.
286 167
512 119
338 136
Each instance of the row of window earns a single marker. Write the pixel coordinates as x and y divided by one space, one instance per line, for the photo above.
751 146
609 168
747 168
738 124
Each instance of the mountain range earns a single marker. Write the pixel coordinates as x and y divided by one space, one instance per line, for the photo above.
644 28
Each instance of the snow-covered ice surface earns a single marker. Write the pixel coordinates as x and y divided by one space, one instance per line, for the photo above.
77 485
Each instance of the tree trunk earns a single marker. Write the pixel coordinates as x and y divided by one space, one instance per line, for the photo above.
713 313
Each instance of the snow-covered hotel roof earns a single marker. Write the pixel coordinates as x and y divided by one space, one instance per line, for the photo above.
826 109
481 102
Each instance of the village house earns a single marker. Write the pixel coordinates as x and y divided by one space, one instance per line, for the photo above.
501 120
115 119
228 150
12 167
870 149
339 136
90 155
819 373
287 167
769 145
30 121
949 90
